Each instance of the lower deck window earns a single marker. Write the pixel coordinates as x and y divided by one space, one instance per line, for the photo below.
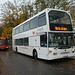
26 42
43 40
22 41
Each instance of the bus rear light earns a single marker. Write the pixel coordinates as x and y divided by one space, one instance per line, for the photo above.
50 51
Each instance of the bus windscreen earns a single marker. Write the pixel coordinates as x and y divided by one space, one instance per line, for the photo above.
3 42
59 20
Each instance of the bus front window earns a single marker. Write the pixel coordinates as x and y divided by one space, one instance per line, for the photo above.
60 40
59 17
3 42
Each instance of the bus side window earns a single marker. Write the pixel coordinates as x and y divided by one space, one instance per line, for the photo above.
26 26
21 28
17 30
14 32
42 19
20 42
26 42
43 40
34 23
16 41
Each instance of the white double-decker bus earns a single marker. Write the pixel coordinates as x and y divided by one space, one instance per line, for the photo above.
47 35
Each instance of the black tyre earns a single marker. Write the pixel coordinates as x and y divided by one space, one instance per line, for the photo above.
35 55
16 50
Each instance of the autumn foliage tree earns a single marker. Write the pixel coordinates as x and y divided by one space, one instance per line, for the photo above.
73 15
7 32
1 29
11 16
15 13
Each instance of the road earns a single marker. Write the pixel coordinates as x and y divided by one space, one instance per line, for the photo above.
12 63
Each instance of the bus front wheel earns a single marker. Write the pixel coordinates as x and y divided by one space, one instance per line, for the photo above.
35 55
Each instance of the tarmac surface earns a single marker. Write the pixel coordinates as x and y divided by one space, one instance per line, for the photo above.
12 63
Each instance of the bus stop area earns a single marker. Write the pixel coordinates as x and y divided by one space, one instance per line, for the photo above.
12 63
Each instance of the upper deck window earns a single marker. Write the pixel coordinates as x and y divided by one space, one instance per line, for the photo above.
21 28
17 30
42 19
14 32
59 17
34 23
26 26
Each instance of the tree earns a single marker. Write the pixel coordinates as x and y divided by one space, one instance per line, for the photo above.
7 32
12 15
39 5
15 13
72 12
1 29
65 5
9 14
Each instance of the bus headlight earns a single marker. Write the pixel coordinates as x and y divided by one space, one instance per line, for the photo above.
50 51
6 47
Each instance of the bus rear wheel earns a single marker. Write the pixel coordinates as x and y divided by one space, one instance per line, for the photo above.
16 50
35 55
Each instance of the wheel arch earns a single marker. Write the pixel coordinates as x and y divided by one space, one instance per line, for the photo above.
16 49
34 50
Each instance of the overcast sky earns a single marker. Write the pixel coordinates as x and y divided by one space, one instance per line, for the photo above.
3 1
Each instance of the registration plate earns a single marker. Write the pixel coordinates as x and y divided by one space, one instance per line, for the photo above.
64 52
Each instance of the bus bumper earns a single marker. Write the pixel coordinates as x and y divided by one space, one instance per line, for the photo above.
52 57
3 48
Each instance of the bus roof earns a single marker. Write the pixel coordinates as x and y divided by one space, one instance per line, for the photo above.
47 9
